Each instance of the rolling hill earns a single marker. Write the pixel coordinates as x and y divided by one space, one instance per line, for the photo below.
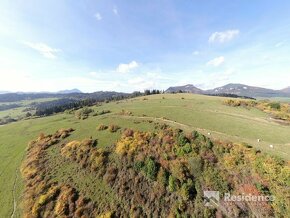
121 166
245 90
69 91
286 90
233 88
189 88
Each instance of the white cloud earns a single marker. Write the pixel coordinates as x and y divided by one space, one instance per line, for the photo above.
43 49
224 36
98 16
115 11
125 68
142 83
196 52
215 79
216 61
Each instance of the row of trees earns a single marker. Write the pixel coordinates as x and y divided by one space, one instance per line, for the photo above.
60 105
153 92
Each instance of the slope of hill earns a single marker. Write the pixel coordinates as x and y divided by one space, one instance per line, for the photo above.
233 88
245 90
189 88
146 174
76 180
286 90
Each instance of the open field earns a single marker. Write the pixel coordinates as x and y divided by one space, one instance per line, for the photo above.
187 111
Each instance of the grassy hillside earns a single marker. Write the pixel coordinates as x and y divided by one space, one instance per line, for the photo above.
186 111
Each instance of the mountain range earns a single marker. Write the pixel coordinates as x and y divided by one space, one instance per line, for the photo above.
286 90
233 88
69 91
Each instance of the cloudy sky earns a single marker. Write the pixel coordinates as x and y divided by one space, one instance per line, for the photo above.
134 45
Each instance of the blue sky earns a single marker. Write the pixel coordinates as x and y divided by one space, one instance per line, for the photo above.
134 45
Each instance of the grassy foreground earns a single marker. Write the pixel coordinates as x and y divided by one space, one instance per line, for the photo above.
204 113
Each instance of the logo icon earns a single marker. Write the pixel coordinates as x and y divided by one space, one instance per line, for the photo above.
211 198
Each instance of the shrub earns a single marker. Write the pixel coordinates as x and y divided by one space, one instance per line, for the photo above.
113 128
128 132
184 191
98 113
181 139
187 189
275 105
138 165
186 149
41 136
195 166
83 113
106 215
102 127
194 134
171 183
125 112
212 178
28 114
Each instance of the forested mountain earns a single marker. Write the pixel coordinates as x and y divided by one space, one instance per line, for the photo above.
186 88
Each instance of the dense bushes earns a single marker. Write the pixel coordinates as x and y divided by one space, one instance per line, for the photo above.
113 128
238 103
162 174
85 153
42 197
208 166
83 113
275 105
102 127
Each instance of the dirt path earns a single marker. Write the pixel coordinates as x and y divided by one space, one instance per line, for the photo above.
14 189
13 193
164 120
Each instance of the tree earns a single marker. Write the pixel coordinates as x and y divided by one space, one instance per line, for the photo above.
150 168
147 92
162 177
28 114
171 183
